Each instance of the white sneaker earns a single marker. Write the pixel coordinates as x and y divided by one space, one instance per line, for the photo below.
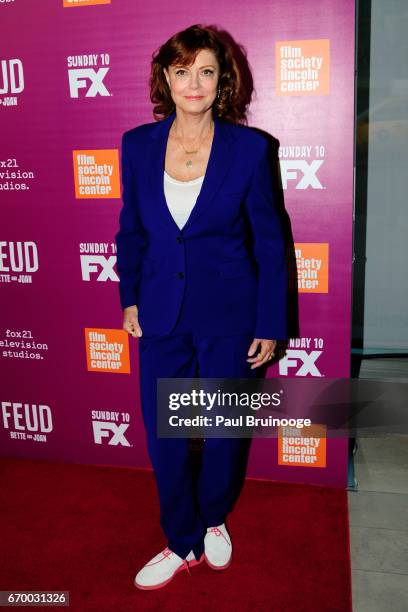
218 547
163 567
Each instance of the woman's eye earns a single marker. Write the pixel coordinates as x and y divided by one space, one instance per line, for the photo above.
205 72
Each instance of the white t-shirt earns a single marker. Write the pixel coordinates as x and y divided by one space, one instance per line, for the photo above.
181 197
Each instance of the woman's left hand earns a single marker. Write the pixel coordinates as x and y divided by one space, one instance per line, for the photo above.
266 353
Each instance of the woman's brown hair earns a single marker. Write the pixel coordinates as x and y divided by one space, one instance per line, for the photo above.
182 48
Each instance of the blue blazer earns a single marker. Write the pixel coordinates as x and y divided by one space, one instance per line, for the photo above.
230 254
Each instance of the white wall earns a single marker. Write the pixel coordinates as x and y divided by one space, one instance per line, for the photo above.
386 280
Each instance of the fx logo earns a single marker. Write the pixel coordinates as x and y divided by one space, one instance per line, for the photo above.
99 264
115 433
79 78
12 76
302 172
303 362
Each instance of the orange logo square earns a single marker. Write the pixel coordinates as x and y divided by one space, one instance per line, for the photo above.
302 67
107 350
302 447
96 173
69 3
310 273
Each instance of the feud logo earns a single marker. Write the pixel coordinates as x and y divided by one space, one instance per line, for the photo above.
18 257
26 417
12 76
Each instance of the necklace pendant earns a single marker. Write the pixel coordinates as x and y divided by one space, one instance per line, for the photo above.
189 163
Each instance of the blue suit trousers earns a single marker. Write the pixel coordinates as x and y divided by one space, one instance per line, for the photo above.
189 505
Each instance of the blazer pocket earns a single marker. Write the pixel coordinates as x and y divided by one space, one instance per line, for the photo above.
237 267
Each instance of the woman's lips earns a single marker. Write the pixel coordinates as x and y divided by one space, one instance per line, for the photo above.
194 97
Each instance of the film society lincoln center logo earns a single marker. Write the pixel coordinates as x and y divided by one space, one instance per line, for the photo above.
96 173
310 272
107 350
73 3
302 67
302 449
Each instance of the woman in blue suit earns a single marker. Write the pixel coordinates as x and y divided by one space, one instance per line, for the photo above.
201 263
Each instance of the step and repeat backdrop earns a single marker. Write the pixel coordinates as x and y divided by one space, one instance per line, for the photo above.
74 76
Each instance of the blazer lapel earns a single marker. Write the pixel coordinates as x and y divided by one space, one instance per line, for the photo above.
218 164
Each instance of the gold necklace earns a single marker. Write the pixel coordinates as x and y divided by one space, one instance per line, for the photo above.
189 162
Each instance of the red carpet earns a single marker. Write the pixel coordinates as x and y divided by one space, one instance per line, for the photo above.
88 530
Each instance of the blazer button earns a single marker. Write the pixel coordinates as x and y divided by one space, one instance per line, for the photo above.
179 239
180 274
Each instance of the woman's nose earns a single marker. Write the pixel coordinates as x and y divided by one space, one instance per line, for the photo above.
194 81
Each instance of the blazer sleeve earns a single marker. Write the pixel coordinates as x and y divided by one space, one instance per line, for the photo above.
269 252
130 239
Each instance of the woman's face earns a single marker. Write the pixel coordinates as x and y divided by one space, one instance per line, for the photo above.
194 88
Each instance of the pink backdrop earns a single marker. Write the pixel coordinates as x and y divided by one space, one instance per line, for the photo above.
73 78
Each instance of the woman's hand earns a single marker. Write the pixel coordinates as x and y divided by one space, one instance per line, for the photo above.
130 321
267 352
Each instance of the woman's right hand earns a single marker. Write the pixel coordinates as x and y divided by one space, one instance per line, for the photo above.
131 322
